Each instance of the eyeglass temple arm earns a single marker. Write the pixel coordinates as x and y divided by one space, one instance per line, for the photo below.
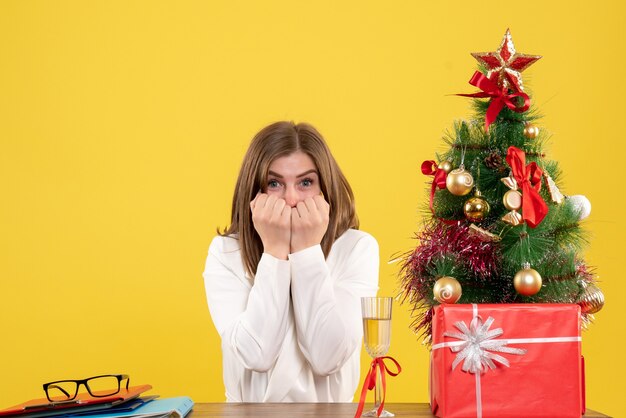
125 376
59 388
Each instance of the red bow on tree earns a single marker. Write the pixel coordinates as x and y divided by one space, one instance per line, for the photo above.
528 178
500 97
429 168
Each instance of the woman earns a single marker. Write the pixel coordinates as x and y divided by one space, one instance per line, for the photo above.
284 281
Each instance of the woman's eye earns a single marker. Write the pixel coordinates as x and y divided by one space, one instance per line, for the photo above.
272 184
306 182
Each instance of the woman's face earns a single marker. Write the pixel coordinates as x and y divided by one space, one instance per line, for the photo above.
293 178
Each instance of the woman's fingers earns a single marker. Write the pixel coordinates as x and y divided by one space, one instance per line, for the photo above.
321 204
271 217
309 222
258 201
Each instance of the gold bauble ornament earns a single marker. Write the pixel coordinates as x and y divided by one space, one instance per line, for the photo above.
445 166
527 281
531 131
447 289
476 208
459 181
592 299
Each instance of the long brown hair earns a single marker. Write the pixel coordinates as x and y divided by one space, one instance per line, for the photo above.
278 140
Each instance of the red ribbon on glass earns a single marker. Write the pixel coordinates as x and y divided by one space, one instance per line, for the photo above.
500 97
528 178
370 382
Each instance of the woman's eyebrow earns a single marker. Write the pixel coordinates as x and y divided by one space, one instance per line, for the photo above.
308 172
275 174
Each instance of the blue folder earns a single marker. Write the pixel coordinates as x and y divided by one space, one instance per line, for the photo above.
156 408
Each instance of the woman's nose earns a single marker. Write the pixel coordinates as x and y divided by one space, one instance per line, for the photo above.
291 197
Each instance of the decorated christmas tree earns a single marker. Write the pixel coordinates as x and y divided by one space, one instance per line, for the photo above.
498 229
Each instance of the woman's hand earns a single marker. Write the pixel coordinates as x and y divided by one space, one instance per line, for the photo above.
309 222
271 217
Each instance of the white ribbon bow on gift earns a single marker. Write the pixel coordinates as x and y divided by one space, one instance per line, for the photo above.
477 348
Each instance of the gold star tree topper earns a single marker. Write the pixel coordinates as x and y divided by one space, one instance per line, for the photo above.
505 64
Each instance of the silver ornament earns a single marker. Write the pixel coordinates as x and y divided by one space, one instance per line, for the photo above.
581 205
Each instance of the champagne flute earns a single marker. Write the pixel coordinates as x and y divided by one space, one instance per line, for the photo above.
376 313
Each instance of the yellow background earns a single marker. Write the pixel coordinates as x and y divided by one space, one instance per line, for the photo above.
123 124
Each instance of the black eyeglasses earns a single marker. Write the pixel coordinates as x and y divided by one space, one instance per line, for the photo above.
97 386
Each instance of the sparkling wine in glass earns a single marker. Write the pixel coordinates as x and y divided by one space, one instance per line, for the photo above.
376 312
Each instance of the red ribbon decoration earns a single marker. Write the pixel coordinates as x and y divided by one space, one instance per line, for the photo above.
499 97
528 178
370 382
429 168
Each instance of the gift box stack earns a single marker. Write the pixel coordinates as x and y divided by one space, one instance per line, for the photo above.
497 283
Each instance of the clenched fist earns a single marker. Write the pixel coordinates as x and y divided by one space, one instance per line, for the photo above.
309 222
271 217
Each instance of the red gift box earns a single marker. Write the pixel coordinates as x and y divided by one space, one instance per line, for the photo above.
507 360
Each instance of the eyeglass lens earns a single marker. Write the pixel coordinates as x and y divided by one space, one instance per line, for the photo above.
62 391
103 385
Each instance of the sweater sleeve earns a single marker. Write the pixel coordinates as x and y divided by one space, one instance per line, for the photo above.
327 307
250 318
